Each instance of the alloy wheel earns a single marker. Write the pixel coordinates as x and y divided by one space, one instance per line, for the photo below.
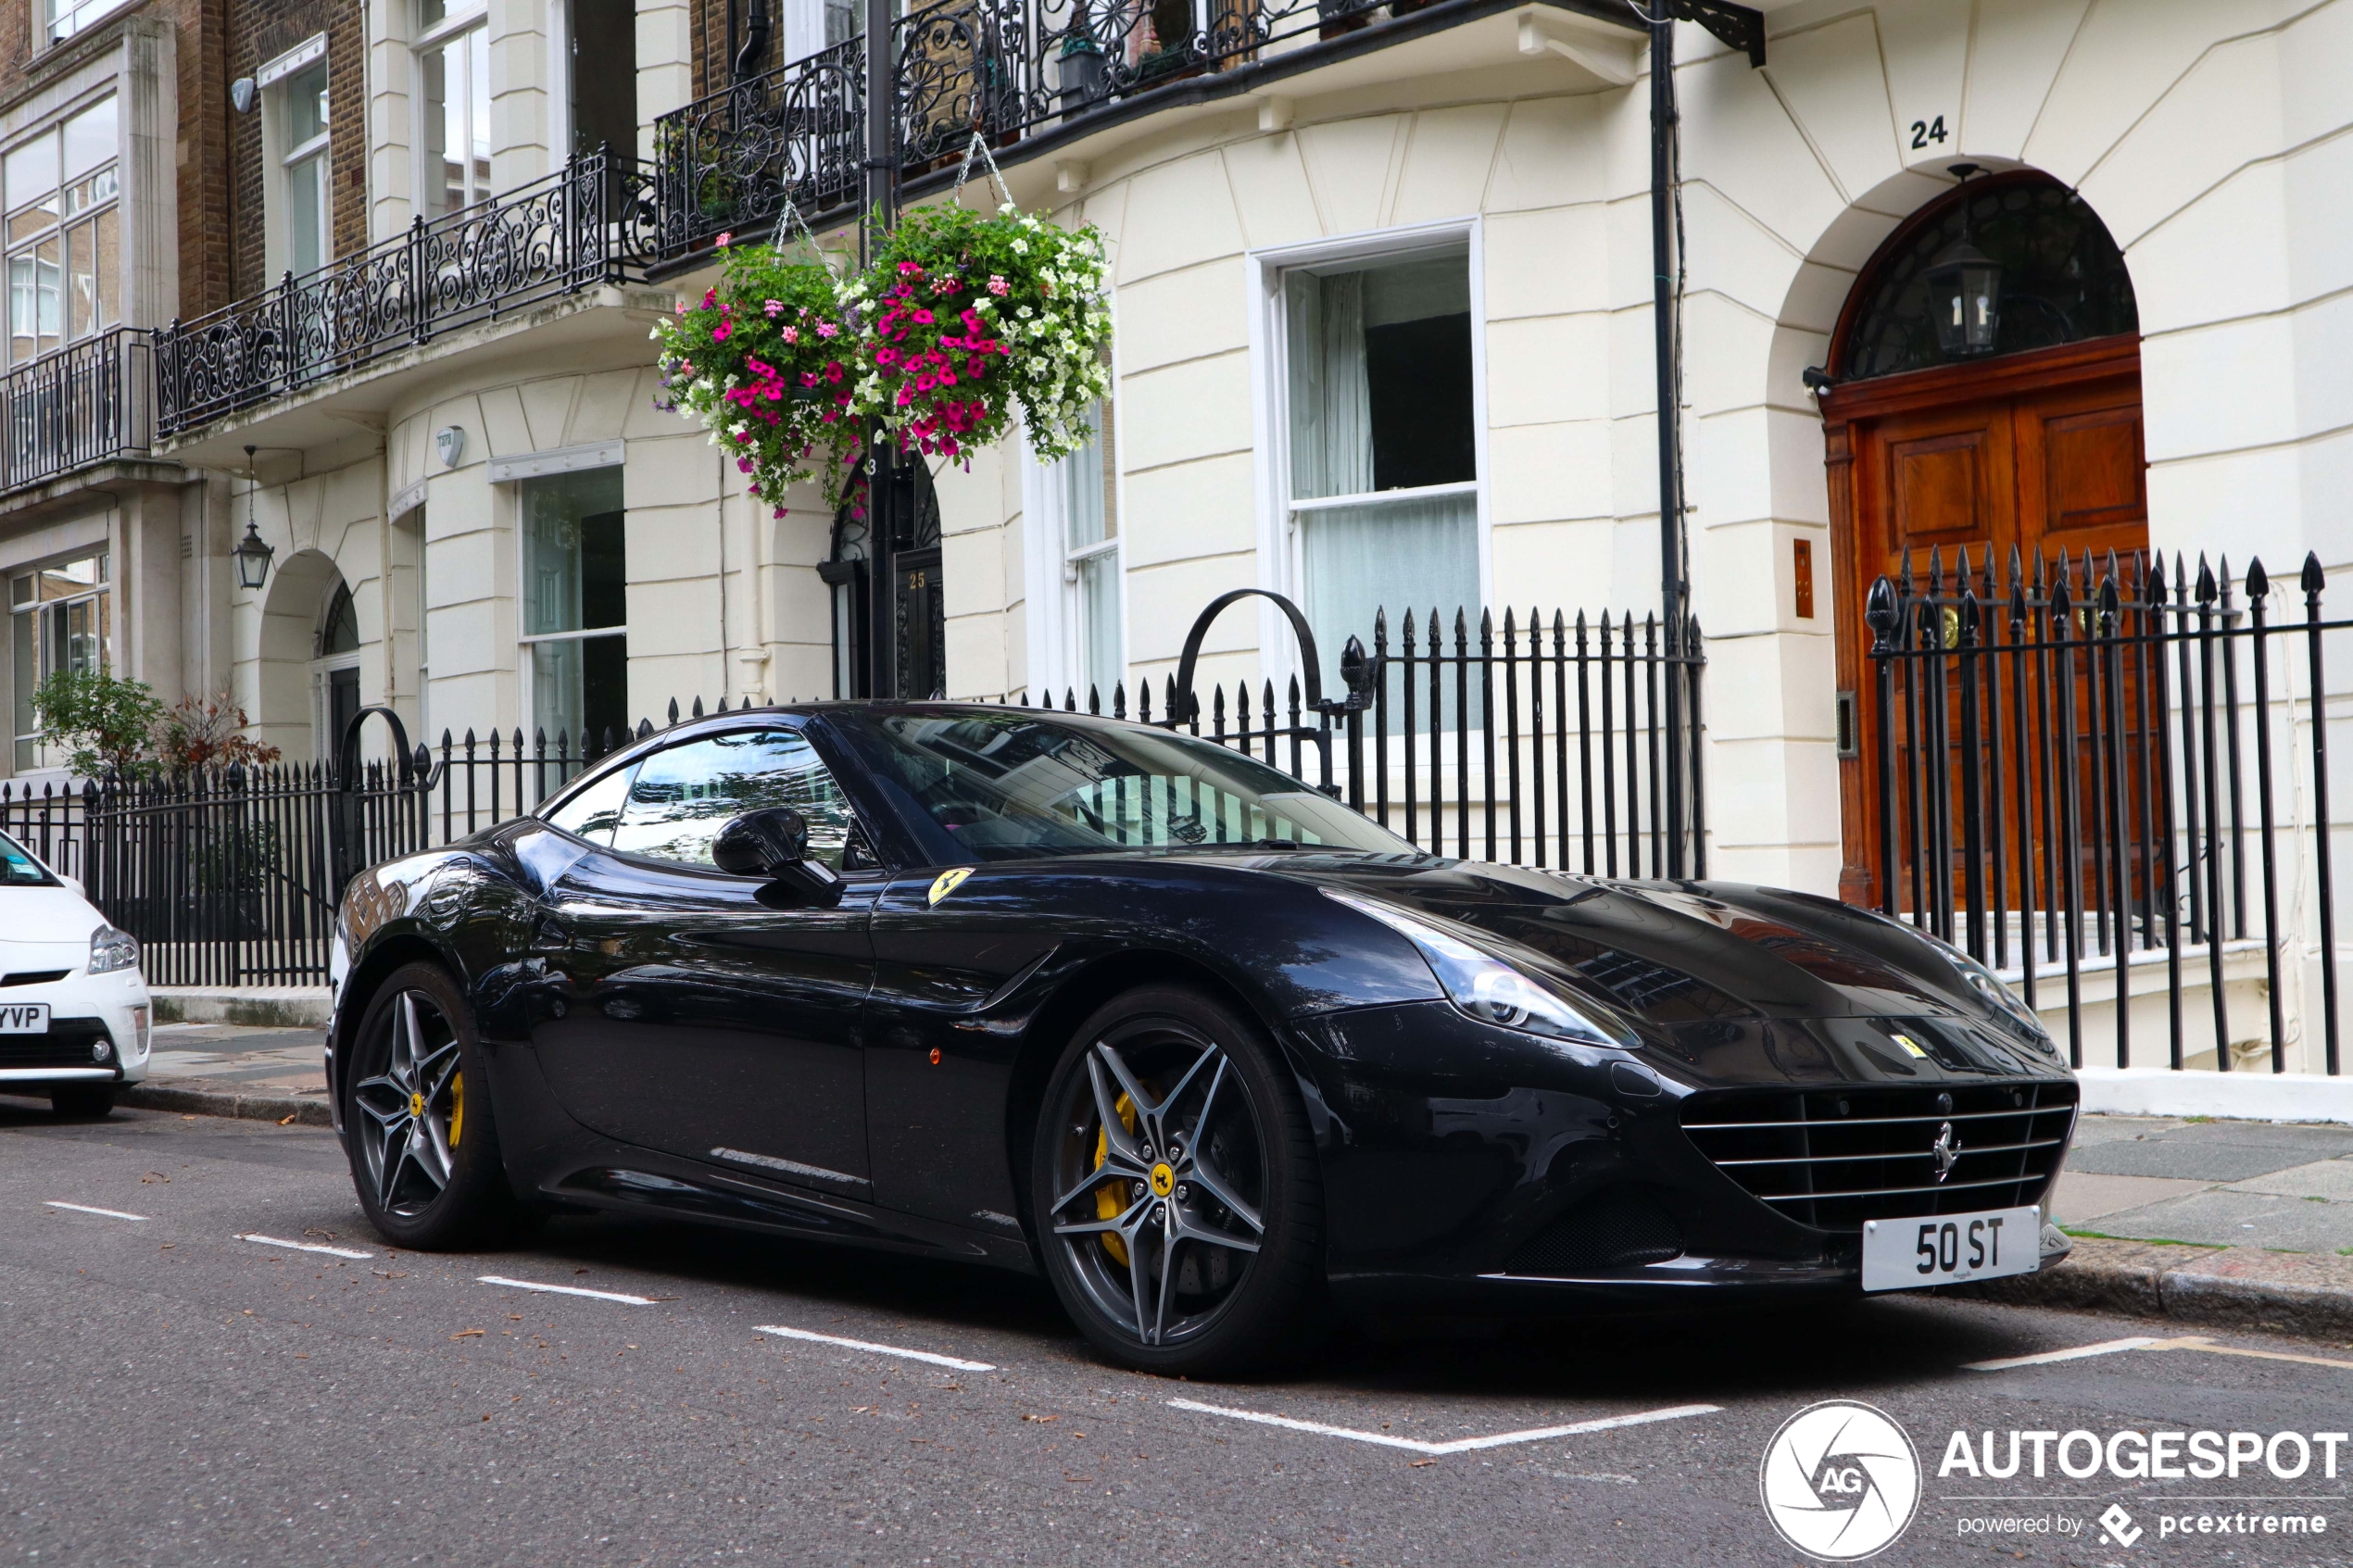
1161 1181
411 1113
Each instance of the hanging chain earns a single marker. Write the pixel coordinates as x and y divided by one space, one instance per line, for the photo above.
980 144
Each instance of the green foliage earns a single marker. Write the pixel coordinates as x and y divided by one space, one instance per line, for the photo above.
101 720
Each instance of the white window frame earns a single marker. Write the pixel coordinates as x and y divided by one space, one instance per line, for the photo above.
59 231
46 656
278 168
80 16
425 186
1279 563
527 643
1051 577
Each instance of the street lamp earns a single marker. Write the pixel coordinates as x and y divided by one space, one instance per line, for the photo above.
252 552
1964 288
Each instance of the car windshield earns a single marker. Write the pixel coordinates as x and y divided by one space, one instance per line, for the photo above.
18 868
1001 786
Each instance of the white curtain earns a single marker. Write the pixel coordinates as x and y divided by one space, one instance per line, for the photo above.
1331 409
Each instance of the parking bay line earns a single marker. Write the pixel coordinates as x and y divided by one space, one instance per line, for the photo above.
956 1363
2183 1342
1459 1445
85 1208
621 1296
302 1246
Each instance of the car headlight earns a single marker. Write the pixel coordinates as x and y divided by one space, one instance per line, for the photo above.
1488 988
111 949
1983 980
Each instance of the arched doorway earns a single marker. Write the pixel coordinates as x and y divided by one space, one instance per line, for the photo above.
917 605
309 669
2030 445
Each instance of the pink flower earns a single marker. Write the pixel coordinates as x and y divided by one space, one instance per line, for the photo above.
724 239
721 332
923 318
775 309
910 269
997 284
710 298
826 329
792 335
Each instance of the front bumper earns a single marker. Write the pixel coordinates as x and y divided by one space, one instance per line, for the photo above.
1467 1163
85 1010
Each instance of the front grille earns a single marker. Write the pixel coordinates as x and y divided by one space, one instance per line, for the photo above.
66 1044
1617 1228
33 976
1835 1158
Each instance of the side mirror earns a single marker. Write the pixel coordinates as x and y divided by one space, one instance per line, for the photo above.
773 843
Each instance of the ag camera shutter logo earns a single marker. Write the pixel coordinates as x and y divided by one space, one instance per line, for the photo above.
1840 1481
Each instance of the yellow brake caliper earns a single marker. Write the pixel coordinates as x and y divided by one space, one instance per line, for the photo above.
1108 1201
457 1108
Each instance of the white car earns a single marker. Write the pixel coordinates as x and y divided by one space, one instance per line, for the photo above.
74 1009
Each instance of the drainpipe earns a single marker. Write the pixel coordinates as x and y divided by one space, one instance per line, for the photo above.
884 522
1672 588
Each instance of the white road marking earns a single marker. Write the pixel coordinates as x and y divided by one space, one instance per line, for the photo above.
956 1363
1460 1445
2044 1358
625 1300
303 1246
85 1208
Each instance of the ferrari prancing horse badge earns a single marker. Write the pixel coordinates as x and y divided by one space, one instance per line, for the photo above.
946 882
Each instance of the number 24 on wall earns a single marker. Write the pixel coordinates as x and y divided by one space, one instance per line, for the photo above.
1927 131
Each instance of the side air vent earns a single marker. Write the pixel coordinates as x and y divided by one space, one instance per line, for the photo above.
1616 1228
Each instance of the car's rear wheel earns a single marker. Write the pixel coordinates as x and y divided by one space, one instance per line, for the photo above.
1175 1187
81 1102
423 1144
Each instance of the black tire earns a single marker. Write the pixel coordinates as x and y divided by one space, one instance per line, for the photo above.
423 1142
81 1102
1197 1258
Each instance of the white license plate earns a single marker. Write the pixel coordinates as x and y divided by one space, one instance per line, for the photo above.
1949 1248
24 1017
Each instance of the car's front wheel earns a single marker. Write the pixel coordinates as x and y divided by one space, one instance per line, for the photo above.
423 1146
1175 1187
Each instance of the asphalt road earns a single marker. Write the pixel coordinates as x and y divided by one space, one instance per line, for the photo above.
170 1393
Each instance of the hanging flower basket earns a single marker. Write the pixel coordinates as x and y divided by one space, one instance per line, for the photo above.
768 363
967 316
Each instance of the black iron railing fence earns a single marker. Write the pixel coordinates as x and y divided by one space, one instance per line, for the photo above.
1539 742
84 405
2083 767
589 222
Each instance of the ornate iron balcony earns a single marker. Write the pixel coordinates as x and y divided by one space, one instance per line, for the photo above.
87 405
590 222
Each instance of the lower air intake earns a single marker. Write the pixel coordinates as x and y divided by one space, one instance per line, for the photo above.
1617 1228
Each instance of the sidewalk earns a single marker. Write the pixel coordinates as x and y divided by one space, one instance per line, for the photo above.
234 1070
2241 1223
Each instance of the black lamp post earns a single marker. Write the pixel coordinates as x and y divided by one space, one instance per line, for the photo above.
252 552
1965 289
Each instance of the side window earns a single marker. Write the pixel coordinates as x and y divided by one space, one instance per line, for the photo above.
593 813
683 796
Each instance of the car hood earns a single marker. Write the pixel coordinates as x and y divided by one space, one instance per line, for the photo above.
1673 952
45 928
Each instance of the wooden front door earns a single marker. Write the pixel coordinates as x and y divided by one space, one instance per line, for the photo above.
2037 451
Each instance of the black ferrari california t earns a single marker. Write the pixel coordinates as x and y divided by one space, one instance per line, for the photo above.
1205 1046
